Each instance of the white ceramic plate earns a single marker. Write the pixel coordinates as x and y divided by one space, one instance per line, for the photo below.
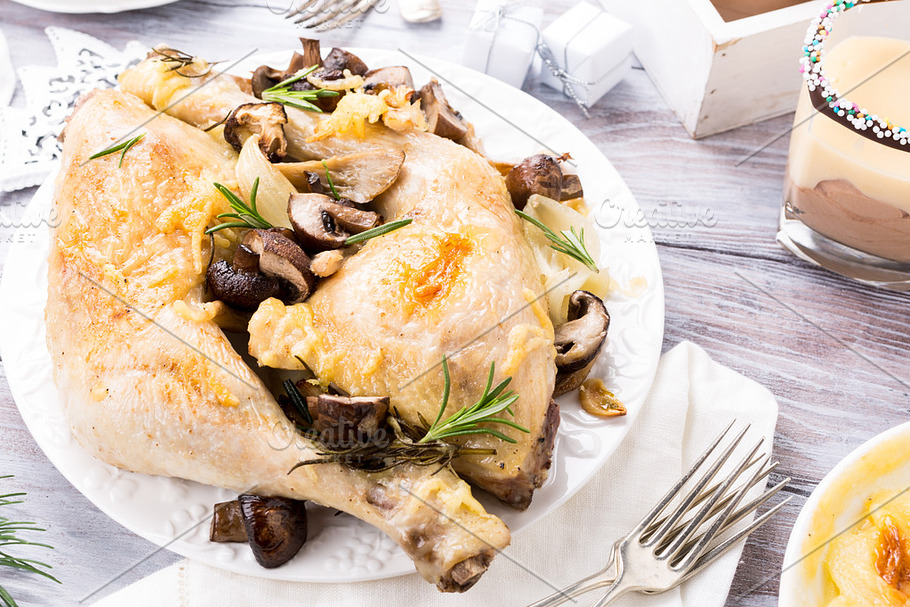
91 6
513 125
880 464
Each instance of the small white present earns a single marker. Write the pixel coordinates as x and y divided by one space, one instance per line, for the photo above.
502 39
590 51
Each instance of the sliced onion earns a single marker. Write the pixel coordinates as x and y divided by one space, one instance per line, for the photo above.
274 188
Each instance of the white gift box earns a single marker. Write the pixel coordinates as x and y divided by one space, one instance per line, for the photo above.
592 47
502 39
721 64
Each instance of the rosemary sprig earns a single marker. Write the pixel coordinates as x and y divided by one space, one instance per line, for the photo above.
328 178
422 445
282 93
568 242
466 421
177 60
123 148
247 216
377 231
9 536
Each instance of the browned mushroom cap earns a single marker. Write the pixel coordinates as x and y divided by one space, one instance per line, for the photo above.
227 523
341 60
343 421
387 77
538 174
239 288
265 77
264 119
571 187
276 527
281 258
442 120
579 340
361 176
322 223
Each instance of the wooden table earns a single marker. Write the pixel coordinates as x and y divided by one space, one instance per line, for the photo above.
833 352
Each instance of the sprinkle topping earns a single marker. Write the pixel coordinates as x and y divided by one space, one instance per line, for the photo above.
827 99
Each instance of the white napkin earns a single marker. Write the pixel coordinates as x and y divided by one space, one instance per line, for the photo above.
691 402
7 76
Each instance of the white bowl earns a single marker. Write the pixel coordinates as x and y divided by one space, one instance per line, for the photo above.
880 464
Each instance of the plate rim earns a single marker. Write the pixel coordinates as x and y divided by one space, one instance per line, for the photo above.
100 6
655 293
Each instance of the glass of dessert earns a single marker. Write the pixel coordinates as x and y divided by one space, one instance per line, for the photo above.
847 192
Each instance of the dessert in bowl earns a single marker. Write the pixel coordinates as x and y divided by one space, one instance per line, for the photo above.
851 543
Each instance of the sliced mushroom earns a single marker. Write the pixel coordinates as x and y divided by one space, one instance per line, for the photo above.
264 119
571 187
276 527
326 263
579 340
322 223
538 174
442 120
361 176
340 60
312 55
265 77
343 421
239 288
281 258
387 77
227 523
245 260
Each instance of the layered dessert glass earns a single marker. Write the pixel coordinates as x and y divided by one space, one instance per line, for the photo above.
847 190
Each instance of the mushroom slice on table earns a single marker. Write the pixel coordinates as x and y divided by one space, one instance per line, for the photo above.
360 177
264 119
579 340
322 223
538 174
442 120
282 258
276 528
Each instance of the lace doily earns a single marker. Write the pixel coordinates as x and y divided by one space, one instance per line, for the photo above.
28 136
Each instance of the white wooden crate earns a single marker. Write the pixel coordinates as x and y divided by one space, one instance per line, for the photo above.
717 74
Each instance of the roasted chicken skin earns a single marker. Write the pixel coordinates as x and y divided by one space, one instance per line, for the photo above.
459 281
151 384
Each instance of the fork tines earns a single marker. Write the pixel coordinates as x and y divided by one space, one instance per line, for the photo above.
691 534
323 15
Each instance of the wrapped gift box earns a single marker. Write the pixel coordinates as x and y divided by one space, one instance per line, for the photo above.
593 47
728 63
502 39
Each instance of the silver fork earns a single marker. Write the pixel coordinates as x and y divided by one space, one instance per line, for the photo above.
664 550
323 15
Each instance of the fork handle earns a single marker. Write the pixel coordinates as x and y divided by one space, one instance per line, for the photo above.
596 581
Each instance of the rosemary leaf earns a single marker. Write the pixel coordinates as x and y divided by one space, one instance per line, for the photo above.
247 215
568 242
377 231
298 401
123 148
328 177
